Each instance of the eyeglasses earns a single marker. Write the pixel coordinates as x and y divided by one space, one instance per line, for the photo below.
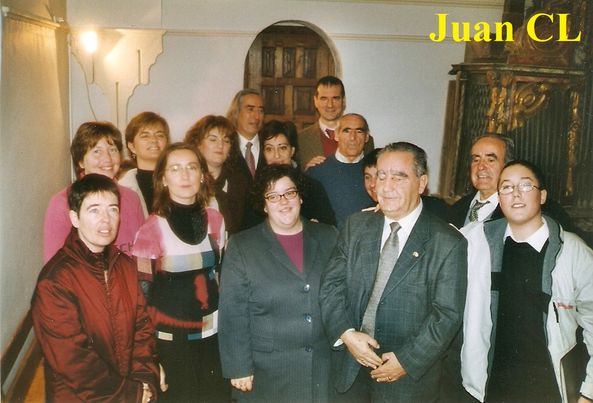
524 187
191 168
275 197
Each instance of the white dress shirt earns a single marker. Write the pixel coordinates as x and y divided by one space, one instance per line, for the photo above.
537 240
406 223
486 210
254 148
340 157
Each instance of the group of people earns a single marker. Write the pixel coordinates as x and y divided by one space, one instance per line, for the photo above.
258 263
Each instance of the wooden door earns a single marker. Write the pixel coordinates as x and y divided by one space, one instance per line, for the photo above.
284 64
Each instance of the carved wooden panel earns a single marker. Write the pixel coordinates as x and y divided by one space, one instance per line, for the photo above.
540 110
288 62
538 93
273 100
303 100
284 63
268 62
310 63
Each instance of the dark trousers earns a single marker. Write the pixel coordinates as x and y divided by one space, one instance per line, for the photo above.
366 390
192 371
359 392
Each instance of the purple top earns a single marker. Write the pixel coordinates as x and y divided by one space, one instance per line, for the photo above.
293 246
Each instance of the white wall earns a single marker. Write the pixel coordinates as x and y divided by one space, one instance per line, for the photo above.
393 74
35 161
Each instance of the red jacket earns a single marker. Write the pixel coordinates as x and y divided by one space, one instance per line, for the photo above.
90 319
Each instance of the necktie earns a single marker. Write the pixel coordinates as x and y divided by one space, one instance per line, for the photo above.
250 159
387 261
473 213
330 133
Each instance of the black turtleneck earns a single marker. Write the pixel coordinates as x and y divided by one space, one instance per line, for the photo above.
188 222
144 179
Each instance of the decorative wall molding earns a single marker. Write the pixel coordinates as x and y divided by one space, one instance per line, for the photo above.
122 62
341 36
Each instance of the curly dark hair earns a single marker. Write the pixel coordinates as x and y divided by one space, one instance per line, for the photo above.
267 176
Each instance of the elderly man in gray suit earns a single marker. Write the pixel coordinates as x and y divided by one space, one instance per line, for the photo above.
392 297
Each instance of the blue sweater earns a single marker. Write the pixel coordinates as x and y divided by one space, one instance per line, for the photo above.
344 184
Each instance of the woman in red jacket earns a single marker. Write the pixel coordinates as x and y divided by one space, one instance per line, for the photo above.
88 311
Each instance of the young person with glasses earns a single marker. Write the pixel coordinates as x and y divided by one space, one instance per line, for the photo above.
530 288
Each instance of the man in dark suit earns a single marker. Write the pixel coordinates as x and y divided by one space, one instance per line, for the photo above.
489 154
395 308
246 113
317 141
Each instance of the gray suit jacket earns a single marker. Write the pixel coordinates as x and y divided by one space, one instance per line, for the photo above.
420 310
310 144
270 321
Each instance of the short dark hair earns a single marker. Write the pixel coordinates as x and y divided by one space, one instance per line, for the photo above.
537 172
142 120
87 185
162 200
328 81
87 136
370 160
420 159
267 176
509 144
275 127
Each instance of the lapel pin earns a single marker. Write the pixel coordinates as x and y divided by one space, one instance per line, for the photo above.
415 254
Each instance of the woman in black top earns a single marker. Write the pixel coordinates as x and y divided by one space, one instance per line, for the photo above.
279 145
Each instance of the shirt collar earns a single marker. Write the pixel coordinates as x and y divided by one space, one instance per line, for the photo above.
535 240
485 211
493 199
340 157
243 142
324 129
406 223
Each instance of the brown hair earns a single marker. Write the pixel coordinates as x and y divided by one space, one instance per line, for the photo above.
142 120
162 200
87 136
196 134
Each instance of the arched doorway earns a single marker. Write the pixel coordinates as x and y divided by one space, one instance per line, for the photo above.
284 63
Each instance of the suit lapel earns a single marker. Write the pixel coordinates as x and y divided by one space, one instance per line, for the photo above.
371 242
310 246
413 251
277 251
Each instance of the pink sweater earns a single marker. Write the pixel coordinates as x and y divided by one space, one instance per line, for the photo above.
57 225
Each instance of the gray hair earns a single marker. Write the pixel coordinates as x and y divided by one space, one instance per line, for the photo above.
509 144
233 112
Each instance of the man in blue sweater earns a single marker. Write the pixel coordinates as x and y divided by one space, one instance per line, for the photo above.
341 173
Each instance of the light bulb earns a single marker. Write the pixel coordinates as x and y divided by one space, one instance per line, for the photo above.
90 41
